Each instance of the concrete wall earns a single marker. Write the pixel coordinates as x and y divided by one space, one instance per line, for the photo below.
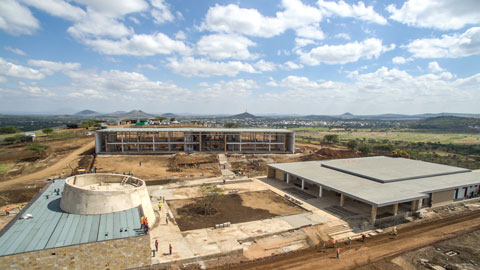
270 172
79 200
123 253
279 175
442 197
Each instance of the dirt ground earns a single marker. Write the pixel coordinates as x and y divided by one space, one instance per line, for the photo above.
155 167
234 208
465 255
378 249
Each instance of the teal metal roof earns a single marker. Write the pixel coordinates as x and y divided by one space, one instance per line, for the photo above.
229 130
51 227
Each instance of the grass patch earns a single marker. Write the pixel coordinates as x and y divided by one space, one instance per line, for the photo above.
3 168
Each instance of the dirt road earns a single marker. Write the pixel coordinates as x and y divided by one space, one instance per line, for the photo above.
375 248
55 169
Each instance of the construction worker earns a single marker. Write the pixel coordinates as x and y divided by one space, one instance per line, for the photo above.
159 206
334 242
170 248
142 222
323 247
146 226
349 240
166 220
364 236
338 253
7 212
156 245
394 232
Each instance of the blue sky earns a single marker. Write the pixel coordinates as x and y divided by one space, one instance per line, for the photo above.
207 57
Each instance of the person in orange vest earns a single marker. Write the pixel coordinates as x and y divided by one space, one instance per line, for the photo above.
394 232
142 222
156 245
146 225
7 212
338 253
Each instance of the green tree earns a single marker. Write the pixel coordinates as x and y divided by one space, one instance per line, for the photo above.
330 138
47 130
38 149
383 148
231 125
9 130
211 195
10 140
364 148
160 118
352 144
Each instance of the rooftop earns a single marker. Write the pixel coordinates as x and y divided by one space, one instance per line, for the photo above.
51 227
375 192
232 130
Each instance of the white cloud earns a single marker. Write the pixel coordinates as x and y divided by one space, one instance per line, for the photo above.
343 35
32 89
96 24
449 46
264 66
223 46
311 31
189 66
115 8
443 15
180 35
16 19
139 45
148 66
233 19
3 79
341 54
226 90
398 60
18 71
302 42
289 65
49 67
57 8
161 12
434 67
358 11
15 50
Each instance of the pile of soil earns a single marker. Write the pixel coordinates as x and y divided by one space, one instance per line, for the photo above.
328 153
234 208
18 195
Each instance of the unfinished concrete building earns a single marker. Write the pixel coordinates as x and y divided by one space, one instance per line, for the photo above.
171 140
382 183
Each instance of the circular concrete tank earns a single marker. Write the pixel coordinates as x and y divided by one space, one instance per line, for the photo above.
103 193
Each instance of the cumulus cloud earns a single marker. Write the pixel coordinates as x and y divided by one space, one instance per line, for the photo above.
223 46
310 31
448 46
289 65
264 66
16 19
342 54
189 66
180 35
161 12
19 71
50 67
434 67
302 42
358 11
233 19
398 60
443 15
58 8
139 45
226 90
343 35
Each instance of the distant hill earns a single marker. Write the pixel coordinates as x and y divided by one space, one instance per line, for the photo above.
347 114
87 113
169 115
136 114
244 115
449 124
118 112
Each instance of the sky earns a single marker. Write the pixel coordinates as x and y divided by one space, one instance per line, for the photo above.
227 57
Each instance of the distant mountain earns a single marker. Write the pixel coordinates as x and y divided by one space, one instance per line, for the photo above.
169 115
118 112
449 124
136 114
244 115
87 113
347 114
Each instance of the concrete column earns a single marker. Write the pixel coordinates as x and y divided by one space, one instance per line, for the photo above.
320 190
123 149
269 142
373 217
98 142
395 209
169 145
200 146
342 199
288 178
138 143
420 202
225 146
240 142
303 184
414 205
153 141
293 143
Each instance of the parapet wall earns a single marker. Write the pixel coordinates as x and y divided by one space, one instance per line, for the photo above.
125 253
80 198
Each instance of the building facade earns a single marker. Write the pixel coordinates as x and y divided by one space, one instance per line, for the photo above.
172 140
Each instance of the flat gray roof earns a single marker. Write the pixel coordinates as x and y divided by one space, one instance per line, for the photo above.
51 227
384 169
232 130
374 192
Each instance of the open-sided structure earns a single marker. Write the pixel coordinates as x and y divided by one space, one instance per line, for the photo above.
171 140
381 181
